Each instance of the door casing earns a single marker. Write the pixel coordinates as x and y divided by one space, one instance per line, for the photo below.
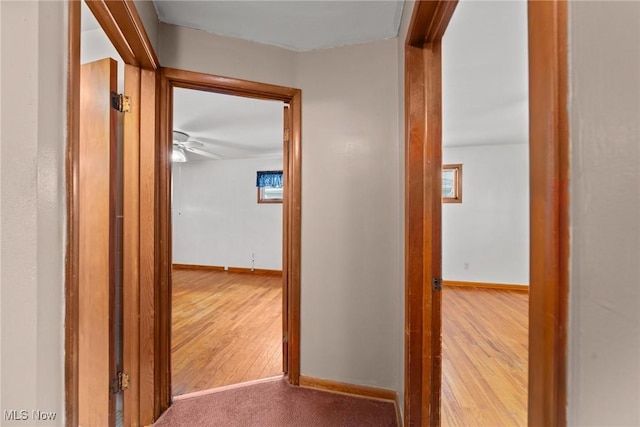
549 211
120 21
173 78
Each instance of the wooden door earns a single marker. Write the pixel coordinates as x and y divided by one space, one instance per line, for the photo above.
97 242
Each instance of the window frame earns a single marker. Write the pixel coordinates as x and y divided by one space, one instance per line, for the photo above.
262 199
457 183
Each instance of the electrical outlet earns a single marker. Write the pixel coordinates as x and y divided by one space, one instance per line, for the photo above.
467 266
226 268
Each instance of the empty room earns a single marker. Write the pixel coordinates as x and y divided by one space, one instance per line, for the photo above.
226 206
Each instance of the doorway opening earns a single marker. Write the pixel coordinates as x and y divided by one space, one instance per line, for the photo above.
171 83
227 241
485 233
548 211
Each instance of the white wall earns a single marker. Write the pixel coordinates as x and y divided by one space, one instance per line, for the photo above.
351 267
604 329
489 230
195 50
350 221
217 219
485 111
33 58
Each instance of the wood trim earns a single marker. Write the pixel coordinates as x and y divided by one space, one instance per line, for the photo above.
262 200
350 389
148 242
122 24
227 85
414 235
286 128
485 285
73 248
131 246
432 257
171 78
244 270
164 255
549 212
423 210
294 221
458 183
129 34
429 21
549 202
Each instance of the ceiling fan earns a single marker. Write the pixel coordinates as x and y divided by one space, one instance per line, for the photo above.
183 144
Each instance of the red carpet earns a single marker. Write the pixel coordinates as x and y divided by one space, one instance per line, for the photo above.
278 404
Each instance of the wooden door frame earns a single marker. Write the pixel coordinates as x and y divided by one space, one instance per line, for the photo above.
549 210
122 24
173 78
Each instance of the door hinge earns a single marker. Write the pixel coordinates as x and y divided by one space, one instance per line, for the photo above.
120 383
436 284
121 102
285 337
286 135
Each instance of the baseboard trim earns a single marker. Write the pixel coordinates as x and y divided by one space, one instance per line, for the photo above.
353 390
501 286
227 387
259 271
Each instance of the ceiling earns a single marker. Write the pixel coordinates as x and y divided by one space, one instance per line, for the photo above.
300 25
230 127
485 74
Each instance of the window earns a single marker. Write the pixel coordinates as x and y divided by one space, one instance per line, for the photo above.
452 183
270 186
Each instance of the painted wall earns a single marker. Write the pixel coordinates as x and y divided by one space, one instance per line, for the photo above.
195 50
351 266
485 111
350 221
216 217
33 58
486 237
604 329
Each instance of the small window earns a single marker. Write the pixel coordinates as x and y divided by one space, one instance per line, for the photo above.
270 186
452 183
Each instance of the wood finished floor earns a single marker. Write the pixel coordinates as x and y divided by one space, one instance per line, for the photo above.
226 329
484 357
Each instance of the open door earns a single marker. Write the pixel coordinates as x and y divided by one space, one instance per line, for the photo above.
97 183
285 240
108 178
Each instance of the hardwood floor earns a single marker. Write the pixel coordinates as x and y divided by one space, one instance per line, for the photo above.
484 357
226 329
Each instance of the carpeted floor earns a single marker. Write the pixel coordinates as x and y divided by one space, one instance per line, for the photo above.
278 404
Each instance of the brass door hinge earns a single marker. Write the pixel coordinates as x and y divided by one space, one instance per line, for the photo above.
120 383
286 135
121 102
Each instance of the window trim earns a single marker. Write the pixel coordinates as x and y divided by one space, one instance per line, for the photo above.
457 184
261 198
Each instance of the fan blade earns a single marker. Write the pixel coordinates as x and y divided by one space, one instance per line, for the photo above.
192 143
203 153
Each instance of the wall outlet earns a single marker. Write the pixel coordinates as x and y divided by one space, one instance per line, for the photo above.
226 268
467 266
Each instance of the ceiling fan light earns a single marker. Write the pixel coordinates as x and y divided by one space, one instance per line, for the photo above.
178 155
